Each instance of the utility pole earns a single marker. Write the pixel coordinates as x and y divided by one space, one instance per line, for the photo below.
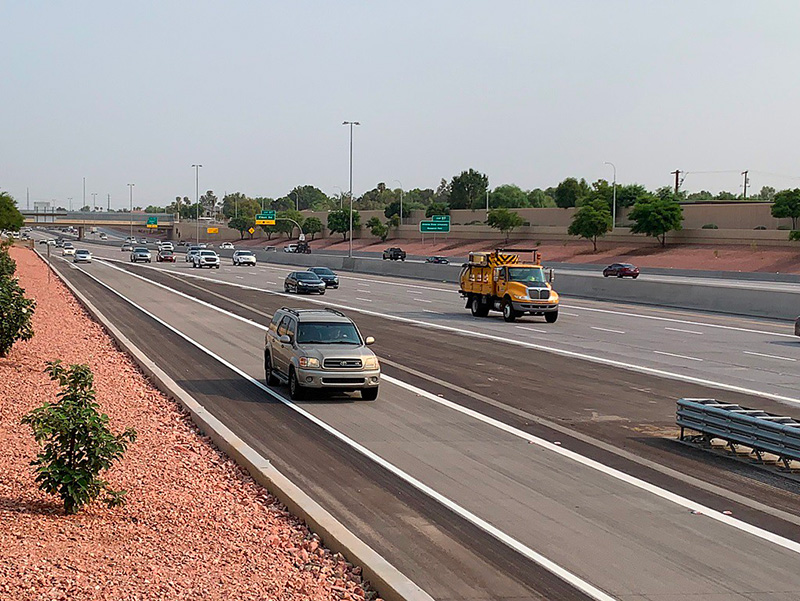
84 194
130 213
27 199
746 181
197 201
109 204
70 204
351 124
677 174
94 201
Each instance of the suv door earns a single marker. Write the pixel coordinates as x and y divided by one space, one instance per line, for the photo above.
281 353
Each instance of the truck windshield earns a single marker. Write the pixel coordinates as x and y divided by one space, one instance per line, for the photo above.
526 274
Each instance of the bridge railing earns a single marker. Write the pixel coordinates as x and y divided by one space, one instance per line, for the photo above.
97 217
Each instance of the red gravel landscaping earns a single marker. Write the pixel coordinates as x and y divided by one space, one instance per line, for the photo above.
195 526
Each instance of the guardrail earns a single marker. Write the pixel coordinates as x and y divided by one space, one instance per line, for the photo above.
757 430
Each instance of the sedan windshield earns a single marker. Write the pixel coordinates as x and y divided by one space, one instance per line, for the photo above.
526 274
327 333
308 276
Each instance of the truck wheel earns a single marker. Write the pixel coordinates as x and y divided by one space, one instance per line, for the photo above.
478 308
509 314
369 394
551 317
270 375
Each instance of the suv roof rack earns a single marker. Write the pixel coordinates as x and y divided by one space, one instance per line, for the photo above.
298 311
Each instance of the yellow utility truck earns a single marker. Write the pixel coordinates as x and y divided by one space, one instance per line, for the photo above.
499 281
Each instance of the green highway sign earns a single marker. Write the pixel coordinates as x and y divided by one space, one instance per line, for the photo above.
265 218
434 226
152 222
440 217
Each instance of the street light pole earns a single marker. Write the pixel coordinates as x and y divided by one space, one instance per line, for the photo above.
197 202
130 214
401 200
94 201
614 197
351 124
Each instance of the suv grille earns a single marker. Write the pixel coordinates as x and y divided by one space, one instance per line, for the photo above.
342 363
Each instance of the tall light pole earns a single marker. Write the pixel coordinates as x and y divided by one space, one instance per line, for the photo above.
84 194
197 201
70 204
94 201
614 197
296 200
341 197
401 200
351 124
130 214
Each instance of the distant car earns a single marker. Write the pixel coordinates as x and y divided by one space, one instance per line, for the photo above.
42 241
193 250
304 281
82 256
205 258
394 253
103 236
202 245
244 257
621 270
51 242
60 243
142 241
165 256
127 247
290 248
438 260
141 254
166 246
183 243
326 275
68 250
226 246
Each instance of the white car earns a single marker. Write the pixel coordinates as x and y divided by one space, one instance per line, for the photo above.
193 250
290 248
68 250
166 246
244 257
82 256
205 258
226 246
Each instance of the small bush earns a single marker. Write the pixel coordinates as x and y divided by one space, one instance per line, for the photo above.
710 226
7 265
77 444
760 227
784 228
16 312
794 235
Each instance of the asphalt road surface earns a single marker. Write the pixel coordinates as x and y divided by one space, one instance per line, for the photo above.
501 461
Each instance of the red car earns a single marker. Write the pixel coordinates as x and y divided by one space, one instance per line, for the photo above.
621 270
165 255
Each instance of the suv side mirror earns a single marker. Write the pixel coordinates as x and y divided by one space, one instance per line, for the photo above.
369 340
285 339
551 275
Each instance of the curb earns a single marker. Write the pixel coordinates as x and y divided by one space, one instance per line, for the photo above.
381 575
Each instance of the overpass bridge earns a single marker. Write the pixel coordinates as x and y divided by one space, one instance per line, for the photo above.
165 223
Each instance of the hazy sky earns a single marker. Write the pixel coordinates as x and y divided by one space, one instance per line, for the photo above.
527 92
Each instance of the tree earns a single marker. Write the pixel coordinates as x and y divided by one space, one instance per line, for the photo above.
284 223
309 197
339 221
241 224
570 192
437 208
379 197
786 203
421 197
378 229
86 209
468 190
593 219
658 215
725 195
154 209
508 196
312 226
10 217
539 198
16 312
208 201
767 193
269 230
393 208
442 193
504 220
232 204
77 444
701 195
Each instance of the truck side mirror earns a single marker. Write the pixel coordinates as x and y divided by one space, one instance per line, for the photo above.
551 276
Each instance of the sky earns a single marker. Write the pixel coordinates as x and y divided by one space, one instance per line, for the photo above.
528 92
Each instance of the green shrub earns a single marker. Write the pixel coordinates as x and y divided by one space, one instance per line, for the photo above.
77 444
794 235
7 265
784 228
710 226
16 312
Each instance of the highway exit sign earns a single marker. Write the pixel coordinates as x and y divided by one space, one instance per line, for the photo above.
440 217
152 222
265 218
434 226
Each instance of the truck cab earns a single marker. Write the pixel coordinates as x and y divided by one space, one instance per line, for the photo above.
498 281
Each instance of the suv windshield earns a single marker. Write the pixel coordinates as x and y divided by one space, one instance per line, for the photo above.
321 271
208 253
327 333
526 274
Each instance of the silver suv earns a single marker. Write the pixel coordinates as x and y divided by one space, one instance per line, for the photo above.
319 349
205 258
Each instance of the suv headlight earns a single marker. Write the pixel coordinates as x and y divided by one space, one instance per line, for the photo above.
371 363
309 362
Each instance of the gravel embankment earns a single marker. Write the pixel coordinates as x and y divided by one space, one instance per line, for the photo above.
195 526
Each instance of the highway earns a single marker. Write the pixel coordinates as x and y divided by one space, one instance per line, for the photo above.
501 461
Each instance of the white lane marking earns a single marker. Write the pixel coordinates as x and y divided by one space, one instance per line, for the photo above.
678 356
558 449
531 329
570 314
681 377
239 277
366 300
500 535
607 330
687 322
422 300
684 331
434 312
769 356
360 290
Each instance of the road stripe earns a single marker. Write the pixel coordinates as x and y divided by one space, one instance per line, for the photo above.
662 493
678 356
422 300
531 329
570 314
500 535
366 300
359 290
684 331
681 377
769 356
607 330
429 311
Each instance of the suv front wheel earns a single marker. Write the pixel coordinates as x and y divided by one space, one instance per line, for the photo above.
296 391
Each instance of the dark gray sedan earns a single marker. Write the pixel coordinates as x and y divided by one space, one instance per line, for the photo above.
303 281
